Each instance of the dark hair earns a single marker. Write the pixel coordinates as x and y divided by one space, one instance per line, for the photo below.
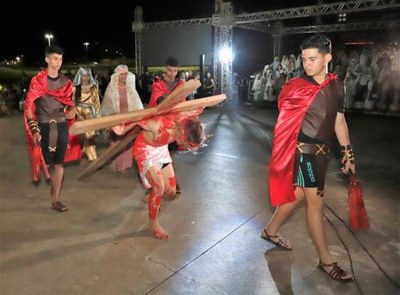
321 42
172 61
54 49
194 131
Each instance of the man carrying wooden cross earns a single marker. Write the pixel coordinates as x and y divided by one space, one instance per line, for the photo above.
153 159
169 121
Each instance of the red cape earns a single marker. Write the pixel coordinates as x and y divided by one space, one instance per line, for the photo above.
37 89
293 102
159 89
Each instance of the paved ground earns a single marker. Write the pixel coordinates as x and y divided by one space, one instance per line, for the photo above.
102 245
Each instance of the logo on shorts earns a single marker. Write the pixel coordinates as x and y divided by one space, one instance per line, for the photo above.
310 172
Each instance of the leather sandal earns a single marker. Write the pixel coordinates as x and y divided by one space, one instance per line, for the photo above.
280 243
336 272
58 206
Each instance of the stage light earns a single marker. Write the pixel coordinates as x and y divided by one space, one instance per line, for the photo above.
225 55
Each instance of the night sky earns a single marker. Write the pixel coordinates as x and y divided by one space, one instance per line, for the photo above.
105 26
110 26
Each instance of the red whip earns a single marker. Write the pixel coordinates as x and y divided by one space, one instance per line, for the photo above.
357 212
38 163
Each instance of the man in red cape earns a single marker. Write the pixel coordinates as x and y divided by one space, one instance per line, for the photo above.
49 111
161 89
310 115
164 86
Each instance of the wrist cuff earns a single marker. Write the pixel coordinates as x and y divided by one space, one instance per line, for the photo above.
33 126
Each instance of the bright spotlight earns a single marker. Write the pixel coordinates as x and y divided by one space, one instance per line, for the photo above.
226 54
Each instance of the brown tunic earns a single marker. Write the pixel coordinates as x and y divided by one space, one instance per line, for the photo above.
317 132
319 121
51 116
47 107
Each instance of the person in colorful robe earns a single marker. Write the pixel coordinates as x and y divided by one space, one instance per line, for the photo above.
311 113
121 97
48 113
87 99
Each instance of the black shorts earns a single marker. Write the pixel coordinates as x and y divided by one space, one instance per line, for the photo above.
56 157
310 170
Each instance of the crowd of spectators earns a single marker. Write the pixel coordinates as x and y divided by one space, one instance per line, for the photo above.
370 74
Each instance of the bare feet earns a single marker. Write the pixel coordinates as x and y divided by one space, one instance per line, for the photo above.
157 230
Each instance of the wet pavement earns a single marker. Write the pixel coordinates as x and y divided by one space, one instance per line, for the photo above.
102 245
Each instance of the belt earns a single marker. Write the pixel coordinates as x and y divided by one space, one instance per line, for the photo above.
313 148
53 135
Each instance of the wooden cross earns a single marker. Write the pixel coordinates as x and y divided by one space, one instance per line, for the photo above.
171 104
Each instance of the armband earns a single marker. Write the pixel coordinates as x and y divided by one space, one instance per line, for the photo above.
347 154
33 126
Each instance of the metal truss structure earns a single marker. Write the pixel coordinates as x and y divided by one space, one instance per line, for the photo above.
223 56
372 25
137 28
317 10
341 27
287 13
179 23
224 20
